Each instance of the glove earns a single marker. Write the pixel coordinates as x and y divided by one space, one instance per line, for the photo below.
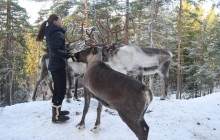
72 56
69 55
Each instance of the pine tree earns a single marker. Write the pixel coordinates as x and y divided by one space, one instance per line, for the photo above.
13 25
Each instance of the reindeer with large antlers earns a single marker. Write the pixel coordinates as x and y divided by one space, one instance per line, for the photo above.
132 59
142 61
117 91
126 59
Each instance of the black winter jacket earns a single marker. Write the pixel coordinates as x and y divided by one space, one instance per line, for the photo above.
55 41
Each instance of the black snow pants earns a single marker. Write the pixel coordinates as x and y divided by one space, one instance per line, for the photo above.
59 80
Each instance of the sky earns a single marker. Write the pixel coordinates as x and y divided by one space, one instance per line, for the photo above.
171 119
33 7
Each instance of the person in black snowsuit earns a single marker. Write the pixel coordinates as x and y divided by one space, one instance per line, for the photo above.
55 43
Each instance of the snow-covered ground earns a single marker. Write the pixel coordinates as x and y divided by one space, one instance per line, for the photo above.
195 119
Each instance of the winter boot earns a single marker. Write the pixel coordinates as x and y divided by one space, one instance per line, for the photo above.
64 112
56 114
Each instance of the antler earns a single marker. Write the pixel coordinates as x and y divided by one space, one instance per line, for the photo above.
106 38
72 33
117 29
112 32
92 41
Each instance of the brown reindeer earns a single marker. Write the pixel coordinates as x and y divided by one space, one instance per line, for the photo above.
129 97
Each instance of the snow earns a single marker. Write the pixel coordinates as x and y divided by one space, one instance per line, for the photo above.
194 119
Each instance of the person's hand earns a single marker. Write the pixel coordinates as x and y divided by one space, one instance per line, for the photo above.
72 55
69 55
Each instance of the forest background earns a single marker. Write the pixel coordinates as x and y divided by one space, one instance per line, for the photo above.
184 27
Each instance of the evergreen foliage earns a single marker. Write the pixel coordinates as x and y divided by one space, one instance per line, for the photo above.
14 62
150 23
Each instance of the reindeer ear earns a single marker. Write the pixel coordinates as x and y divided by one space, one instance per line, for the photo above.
94 50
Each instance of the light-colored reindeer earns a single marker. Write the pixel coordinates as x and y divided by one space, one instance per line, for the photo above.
74 69
142 61
73 72
129 97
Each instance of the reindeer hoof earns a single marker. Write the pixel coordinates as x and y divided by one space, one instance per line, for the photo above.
162 98
149 111
76 99
96 129
78 113
68 100
80 127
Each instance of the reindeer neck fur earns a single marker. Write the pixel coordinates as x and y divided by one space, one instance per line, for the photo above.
91 59
77 67
128 57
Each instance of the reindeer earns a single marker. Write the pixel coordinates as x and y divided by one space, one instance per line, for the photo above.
43 74
130 59
73 72
142 61
129 97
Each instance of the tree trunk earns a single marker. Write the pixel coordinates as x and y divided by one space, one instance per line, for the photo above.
126 23
138 36
152 14
9 55
179 73
86 14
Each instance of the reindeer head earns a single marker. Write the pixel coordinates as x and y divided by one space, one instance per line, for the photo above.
108 52
89 55
109 41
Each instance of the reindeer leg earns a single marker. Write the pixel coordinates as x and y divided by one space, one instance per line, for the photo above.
50 85
35 89
97 123
152 82
68 87
165 75
140 77
145 128
165 87
45 92
136 123
87 97
75 90
43 74
68 95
